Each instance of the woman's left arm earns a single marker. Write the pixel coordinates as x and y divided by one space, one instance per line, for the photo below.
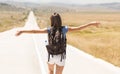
84 26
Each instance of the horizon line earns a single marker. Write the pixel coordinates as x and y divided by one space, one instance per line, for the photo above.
58 2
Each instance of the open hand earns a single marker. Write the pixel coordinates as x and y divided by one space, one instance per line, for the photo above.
18 33
97 24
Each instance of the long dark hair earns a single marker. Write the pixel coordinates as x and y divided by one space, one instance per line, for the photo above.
56 20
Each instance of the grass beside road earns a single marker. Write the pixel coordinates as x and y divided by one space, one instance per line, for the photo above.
102 42
12 19
101 45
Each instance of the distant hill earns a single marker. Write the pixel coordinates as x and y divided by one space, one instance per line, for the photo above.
108 6
60 7
9 7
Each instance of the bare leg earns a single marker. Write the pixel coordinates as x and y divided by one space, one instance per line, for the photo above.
59 69
51 68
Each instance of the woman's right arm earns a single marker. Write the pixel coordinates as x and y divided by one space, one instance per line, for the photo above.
32 31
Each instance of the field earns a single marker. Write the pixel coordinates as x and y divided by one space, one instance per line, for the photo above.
102 42
12 19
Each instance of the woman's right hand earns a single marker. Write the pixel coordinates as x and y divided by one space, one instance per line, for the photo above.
95 23
18 33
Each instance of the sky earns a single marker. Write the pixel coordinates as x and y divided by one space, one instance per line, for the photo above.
68 1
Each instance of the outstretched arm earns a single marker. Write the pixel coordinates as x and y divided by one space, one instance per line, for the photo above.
83 26
32 31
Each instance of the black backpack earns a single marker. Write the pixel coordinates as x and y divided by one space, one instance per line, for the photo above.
57 42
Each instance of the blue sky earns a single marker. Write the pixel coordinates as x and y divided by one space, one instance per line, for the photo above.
68 1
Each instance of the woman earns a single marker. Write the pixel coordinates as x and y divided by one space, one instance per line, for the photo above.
57 22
